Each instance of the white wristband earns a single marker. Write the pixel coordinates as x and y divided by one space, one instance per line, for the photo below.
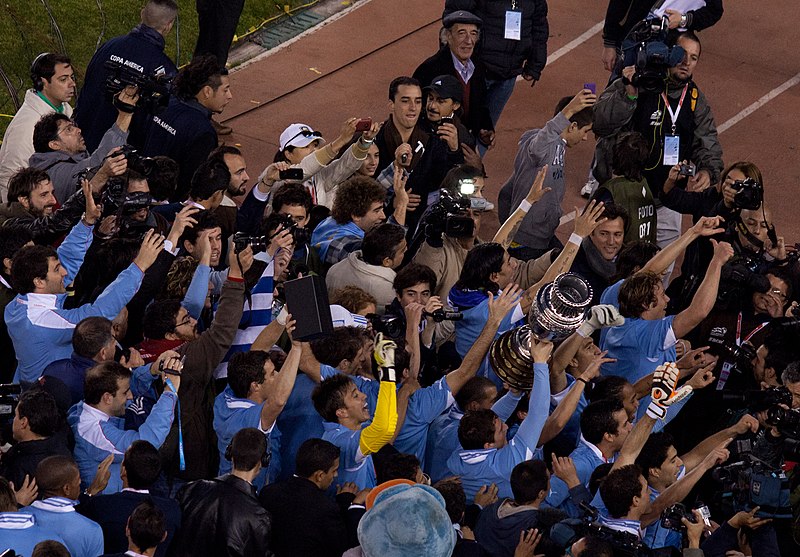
575 239
281 317
525 206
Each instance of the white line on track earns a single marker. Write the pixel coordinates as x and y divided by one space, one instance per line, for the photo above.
573 44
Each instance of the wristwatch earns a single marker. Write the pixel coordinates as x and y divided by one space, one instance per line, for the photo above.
684 21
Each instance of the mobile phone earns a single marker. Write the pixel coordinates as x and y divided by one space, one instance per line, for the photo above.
363 124
591 87
446 120
687 170
291 174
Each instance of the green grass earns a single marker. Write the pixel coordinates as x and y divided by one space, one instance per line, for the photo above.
76 27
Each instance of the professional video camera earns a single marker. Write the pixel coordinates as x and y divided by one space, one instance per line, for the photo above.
568 531
749 194
449 216
153 89
651 55
748 481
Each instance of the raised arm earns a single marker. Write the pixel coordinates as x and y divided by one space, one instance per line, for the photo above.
384 422
706 295
585 223
498 308
508 230
283 385
706 226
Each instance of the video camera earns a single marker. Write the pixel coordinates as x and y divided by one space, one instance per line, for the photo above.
442 314
153 90
748 481
651 55
449 216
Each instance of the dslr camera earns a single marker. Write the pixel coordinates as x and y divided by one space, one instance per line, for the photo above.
651 55
300 234
749 194
153 89
672 516
242 240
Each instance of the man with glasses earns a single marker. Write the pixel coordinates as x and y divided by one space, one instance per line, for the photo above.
53 88
60 150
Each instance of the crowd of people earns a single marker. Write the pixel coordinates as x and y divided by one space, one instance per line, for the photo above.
158 399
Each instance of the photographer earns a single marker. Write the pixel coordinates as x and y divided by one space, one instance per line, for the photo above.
293 202
60 149
686 123
142 49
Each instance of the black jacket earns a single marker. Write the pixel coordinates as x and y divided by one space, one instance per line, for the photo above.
622 15
45 230
506 58
143 50
22 459
111 512
184 133
222 518
307 522
441 63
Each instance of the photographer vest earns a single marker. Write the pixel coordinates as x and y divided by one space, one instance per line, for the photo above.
637 199
654 121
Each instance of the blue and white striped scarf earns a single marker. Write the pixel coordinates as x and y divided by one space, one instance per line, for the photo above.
256 315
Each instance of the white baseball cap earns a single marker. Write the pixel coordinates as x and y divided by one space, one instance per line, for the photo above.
298 135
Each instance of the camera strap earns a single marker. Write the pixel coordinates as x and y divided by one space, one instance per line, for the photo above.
673 115
752 333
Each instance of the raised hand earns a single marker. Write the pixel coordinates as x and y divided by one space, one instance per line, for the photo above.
589 219
486 495
536 192
540 350
564 468
101 477
708 226
503 303
152 244
93 211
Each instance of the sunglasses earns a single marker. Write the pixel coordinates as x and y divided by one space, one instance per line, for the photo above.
305 132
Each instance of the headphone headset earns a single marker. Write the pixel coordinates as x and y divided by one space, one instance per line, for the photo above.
265 457
36 71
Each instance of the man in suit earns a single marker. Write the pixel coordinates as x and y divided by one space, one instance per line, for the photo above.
139 470
306 522
462 30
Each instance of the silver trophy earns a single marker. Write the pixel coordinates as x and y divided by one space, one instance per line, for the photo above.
559 309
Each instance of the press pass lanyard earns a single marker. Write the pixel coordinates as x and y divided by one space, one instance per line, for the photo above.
751 335
674 115
181 455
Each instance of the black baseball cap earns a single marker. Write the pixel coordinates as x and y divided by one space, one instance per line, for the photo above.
447 87
461 16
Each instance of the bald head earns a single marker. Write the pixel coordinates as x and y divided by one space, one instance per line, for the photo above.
160 15
53 473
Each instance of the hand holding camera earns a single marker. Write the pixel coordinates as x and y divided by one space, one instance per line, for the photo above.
448 133
403 155
152 245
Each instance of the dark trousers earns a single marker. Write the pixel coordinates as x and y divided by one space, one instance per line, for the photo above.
217 21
